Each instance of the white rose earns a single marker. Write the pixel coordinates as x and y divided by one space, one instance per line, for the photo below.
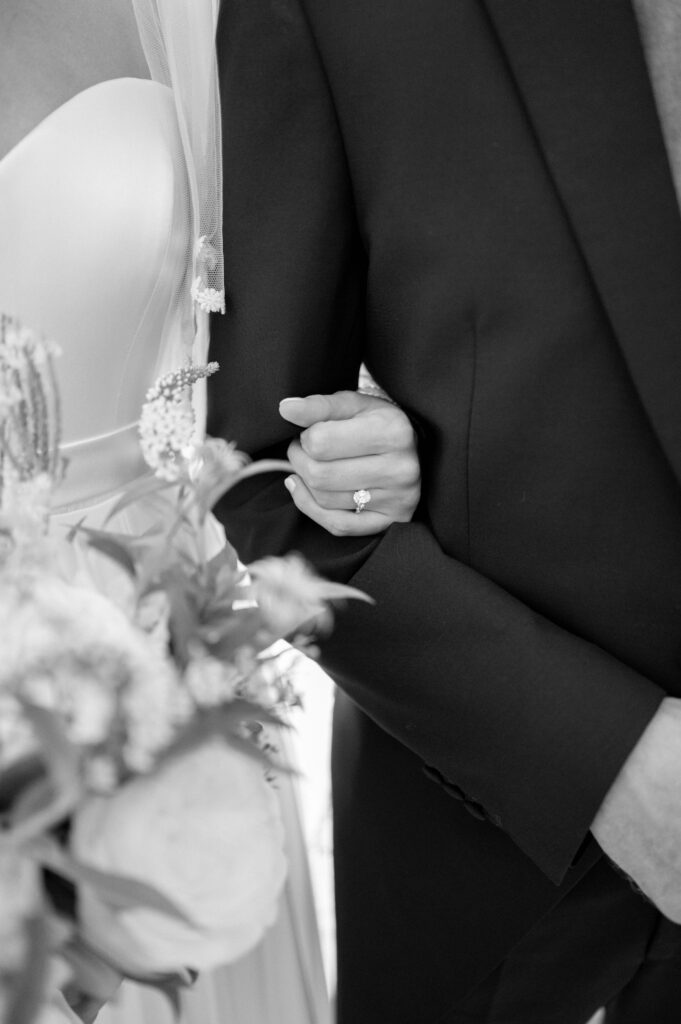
205 830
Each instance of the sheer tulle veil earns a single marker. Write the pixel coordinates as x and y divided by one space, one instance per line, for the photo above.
178 37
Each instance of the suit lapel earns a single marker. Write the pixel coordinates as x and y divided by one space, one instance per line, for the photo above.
581 73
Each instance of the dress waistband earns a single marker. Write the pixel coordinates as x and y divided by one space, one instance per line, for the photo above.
99 467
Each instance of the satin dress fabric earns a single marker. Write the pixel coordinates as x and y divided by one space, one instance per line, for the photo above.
94 219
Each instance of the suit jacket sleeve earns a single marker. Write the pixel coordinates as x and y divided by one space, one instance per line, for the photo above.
530 721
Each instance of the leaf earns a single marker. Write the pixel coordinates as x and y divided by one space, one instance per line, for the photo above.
181 978
329 591
103 939
225 562
28 987
172 994
155 564
124 549
62 762
120 892
61 758
170 986
119 553
75 530
17 777
183 619
67 1012
34 798
218 608
93 976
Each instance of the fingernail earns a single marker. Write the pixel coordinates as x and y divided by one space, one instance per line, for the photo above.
291 400
290 484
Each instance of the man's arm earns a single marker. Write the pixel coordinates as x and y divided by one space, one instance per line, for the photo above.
530 721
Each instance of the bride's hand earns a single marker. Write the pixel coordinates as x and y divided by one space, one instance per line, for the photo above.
352 442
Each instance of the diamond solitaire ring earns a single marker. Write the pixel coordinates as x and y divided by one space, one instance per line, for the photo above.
361 499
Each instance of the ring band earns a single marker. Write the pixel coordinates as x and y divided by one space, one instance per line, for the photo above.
361 499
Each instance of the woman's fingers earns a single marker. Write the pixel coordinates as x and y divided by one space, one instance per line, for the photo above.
343 500
348 424
339 522
389 471
350 442
341 405
377 430
397 505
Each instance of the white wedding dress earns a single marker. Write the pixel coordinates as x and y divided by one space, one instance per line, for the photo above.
95 224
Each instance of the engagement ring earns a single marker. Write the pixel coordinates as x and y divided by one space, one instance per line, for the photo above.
361 499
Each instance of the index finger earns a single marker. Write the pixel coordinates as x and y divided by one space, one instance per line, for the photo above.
342 405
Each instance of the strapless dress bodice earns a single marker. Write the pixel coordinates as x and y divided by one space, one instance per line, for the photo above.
94 222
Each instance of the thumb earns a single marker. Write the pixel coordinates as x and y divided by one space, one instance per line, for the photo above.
342 405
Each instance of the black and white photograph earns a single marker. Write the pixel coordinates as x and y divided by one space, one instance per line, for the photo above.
340 511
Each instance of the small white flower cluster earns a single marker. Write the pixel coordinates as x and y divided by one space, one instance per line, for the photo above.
210 300
167 424
30 416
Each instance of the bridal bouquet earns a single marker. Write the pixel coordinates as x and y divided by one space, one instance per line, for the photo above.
139 832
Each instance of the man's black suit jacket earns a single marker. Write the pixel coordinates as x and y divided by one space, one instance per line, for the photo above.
473 197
